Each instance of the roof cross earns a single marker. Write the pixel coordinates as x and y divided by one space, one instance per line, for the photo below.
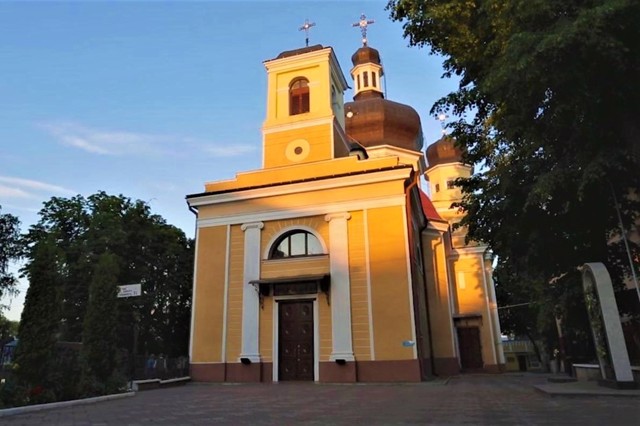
363 24
306 27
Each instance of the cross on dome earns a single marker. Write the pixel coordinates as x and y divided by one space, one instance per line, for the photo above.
306 27
363 23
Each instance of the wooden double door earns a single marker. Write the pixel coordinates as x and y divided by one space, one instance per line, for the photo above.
470 348
295 340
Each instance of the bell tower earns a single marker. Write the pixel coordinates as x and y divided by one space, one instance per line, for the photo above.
305 108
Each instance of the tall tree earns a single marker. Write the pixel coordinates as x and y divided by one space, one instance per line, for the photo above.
147 251
547 108
39 323
99 337
10 245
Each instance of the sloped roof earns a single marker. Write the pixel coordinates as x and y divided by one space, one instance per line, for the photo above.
427 206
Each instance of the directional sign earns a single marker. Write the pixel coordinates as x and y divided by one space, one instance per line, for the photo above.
130 290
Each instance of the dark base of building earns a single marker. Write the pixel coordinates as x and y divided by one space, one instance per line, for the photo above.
329 372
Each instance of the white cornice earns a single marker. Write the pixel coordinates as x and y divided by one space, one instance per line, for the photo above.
315 210
294 188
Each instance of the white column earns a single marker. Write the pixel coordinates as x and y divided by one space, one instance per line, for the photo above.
250 298
340 286
495 319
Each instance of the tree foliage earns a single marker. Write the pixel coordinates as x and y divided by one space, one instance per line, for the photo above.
99 338
10 245
547 109
39 323
103 241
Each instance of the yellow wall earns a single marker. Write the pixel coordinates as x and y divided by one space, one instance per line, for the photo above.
277 145
389 290
471 298
208 301
234 300
359 289
437 283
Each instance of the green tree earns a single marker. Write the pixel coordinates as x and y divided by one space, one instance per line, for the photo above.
147 250
99 338
8 329
10 246
39 323
547 108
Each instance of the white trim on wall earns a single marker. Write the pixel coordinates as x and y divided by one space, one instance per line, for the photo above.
250 299
342 342
367 260
407 254
225 296
315 210
489 319
363 178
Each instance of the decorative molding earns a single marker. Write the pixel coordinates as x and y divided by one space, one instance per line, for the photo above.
364 178
320 209
253 225
340 216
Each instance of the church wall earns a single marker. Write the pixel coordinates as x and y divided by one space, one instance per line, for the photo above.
208 306
359 288
438 296
234 297
472 299
278 151
302 200
319 92
389 289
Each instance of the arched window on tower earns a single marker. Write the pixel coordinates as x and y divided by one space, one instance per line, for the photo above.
295 243
299 96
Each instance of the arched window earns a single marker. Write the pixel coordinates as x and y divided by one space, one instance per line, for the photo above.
295 243
299 96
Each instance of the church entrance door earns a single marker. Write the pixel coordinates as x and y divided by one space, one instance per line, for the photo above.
295 340
470 349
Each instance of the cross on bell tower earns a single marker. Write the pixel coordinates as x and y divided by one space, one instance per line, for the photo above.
306 27
363 23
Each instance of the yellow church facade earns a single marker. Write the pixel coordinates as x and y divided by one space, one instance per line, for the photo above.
330 263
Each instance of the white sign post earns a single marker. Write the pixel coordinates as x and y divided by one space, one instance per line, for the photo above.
130 290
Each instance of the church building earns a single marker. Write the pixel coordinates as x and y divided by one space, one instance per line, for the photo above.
330 263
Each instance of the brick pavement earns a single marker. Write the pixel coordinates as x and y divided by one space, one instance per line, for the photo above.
470 400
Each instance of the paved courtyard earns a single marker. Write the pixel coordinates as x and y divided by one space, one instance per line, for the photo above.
471 400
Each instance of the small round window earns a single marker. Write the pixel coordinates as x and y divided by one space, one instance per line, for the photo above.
295 244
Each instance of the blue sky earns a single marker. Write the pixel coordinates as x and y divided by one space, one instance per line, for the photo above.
152 99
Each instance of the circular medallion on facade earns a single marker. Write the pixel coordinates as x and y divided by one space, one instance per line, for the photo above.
297 150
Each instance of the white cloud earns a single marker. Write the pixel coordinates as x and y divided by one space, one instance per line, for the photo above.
229 151
36 185
117 142
106 142
9 192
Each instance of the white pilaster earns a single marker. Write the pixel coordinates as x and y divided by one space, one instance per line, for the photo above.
250 298
340 286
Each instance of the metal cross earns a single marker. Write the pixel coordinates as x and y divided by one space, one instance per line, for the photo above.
363 24
307 25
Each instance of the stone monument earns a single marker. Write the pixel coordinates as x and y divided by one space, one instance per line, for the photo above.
608 338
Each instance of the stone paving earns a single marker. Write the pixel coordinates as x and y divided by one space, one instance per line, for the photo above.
469 400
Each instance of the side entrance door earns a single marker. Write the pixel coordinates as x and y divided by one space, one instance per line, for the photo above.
470 349
295 340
